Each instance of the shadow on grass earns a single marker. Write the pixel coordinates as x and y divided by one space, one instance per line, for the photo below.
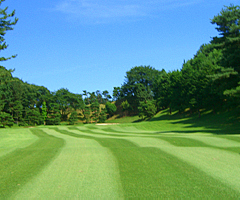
219 123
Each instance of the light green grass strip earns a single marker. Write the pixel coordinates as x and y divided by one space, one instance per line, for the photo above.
21 165
220 164
149 173
83 170
215 141
11 139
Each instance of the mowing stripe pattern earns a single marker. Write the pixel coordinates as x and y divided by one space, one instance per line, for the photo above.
19 166
114 162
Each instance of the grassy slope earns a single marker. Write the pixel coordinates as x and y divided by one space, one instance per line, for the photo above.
219 123
176 157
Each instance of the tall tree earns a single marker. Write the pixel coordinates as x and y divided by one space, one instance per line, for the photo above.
162 91
107 96
67 102
95 110
73 118
138 85
228 25
44 112
54 116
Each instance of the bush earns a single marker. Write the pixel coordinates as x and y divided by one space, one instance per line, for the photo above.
111 108
147 109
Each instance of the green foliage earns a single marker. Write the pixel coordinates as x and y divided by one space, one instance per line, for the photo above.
106 95
233 92
6 119
73 118
44 112
6 24
68 101
228 25
111 108
147 109
33 117
125 106
162 90
117 93
54 117
210 80
87 114
102 116
95 110
138 85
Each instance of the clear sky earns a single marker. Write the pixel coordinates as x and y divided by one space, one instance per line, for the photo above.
91 44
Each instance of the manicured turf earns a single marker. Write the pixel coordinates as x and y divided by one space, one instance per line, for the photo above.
19 166
11 139
147 172
83 170
149 160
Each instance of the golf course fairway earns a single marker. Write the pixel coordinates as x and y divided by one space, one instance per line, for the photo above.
117 162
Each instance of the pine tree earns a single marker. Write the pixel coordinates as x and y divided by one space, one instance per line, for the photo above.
44 112
228 25
6 24
73 118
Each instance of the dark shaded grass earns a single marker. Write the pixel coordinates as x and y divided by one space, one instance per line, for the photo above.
229 137
176 141
108 129
189 142
233 138
184 142
223 122
150 173
96 133
18 167
91 127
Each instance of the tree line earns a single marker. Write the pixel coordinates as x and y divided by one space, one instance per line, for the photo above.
28 104
210 80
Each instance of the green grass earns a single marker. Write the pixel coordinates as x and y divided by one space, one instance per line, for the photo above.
19 166
11 139
126 119
169 157
78 172
148 172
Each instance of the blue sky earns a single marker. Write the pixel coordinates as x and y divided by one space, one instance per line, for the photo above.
91 44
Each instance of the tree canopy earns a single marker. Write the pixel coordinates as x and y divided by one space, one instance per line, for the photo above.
210 80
